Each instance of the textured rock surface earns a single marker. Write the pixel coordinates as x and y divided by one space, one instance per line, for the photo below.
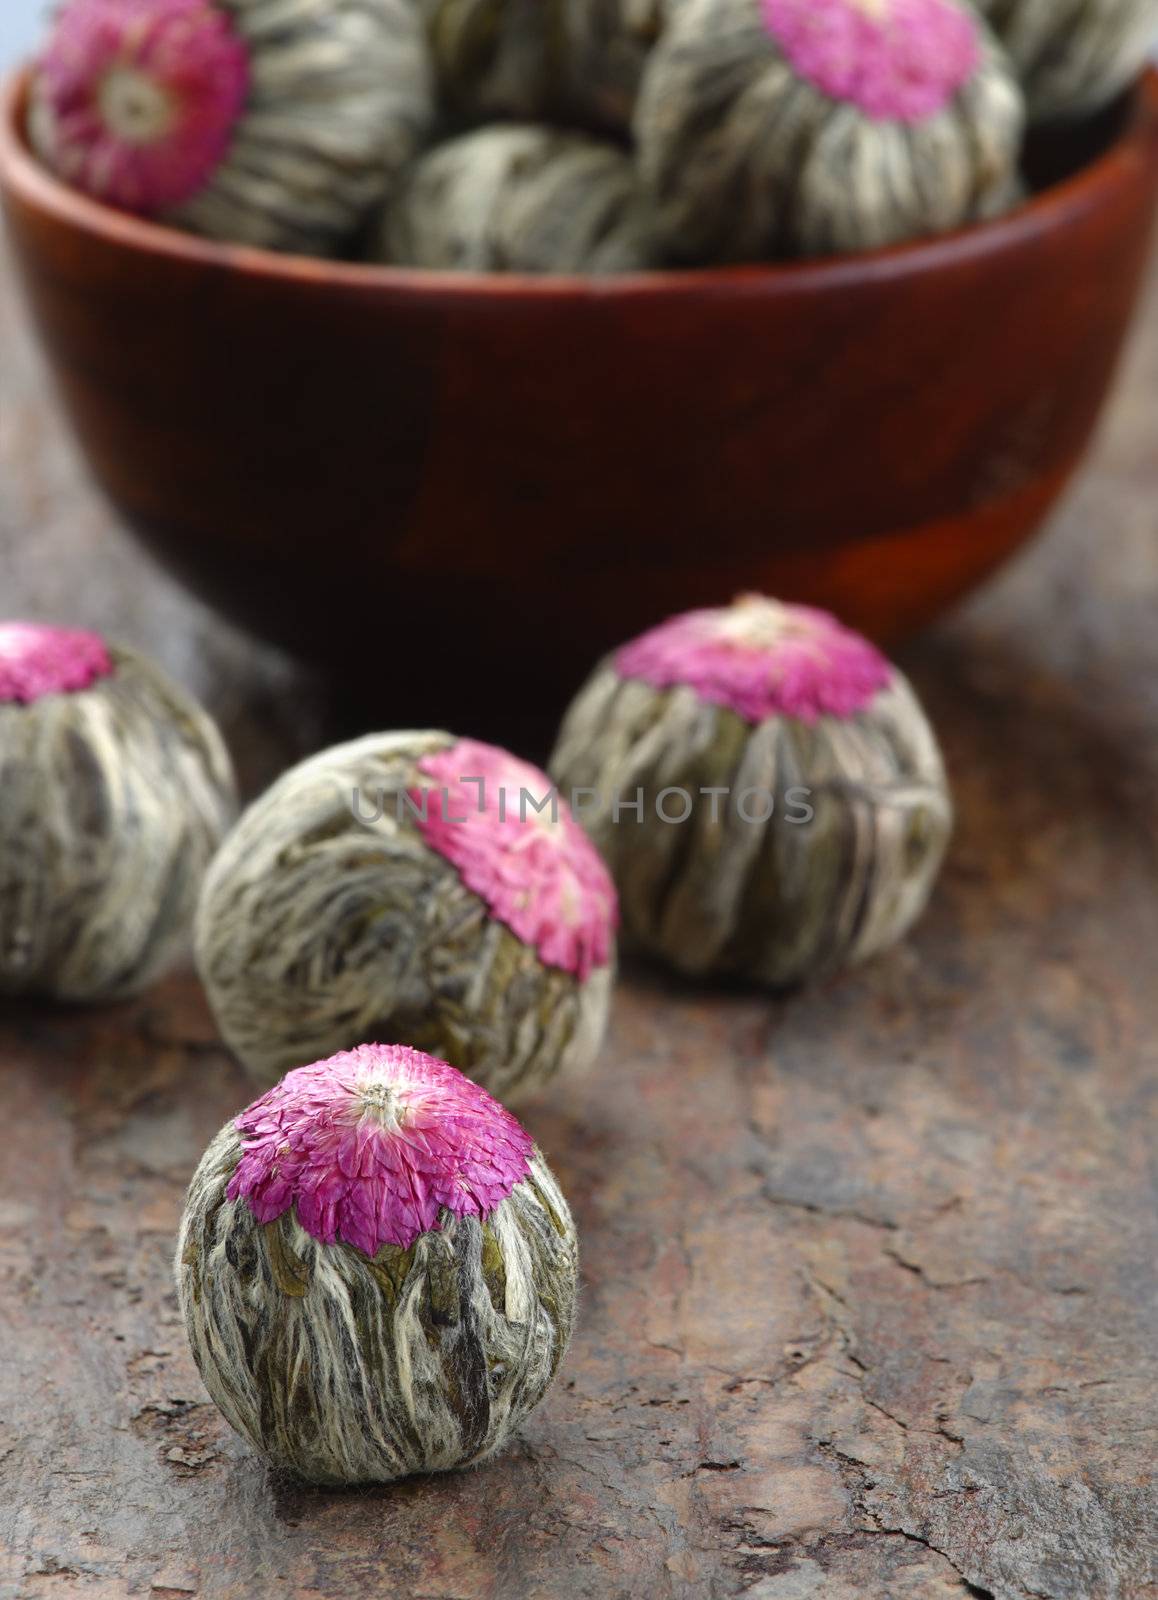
867 1272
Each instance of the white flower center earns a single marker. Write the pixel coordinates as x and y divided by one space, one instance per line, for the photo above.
134 107
762 624
382 1102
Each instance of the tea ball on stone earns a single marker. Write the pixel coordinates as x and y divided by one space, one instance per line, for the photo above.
256 121
376 1269
575 62
116 791
785 127
405 887
1073 56
521 199
765 788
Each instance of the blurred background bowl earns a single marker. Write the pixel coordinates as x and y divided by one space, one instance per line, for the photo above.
455 492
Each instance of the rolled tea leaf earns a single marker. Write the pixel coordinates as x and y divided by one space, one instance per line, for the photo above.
806 127
280 123
765 788
376 1270
521 199
405 888
1073 56
576 62
116 791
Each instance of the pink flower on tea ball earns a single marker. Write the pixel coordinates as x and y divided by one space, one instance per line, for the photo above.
371 1145
38 660
897 60
137 100
761 658
537 872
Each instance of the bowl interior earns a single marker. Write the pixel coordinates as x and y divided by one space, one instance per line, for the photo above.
1054 157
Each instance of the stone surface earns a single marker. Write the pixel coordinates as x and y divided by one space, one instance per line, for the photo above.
868 1272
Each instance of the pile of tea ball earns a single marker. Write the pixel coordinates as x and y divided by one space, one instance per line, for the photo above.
576 136
377 1270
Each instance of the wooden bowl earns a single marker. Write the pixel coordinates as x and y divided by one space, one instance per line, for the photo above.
460 490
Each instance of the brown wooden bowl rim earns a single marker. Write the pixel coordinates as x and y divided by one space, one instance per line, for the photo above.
25 178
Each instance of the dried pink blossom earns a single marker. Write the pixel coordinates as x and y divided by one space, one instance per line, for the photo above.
760 659
38 660
536 871
371 1145
139 98
897 60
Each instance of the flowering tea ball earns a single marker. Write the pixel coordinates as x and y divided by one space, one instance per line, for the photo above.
256 121
1073 56
786 127
116 791
789 809
521 199
399 887
376 1269
576 62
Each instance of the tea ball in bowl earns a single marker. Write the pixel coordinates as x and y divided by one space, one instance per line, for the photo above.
774 128
1073 56
577 63
116 790
260 122
765 787
521 198
407 887
376 1270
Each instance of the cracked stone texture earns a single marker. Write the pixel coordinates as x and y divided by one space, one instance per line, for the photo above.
869 1272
